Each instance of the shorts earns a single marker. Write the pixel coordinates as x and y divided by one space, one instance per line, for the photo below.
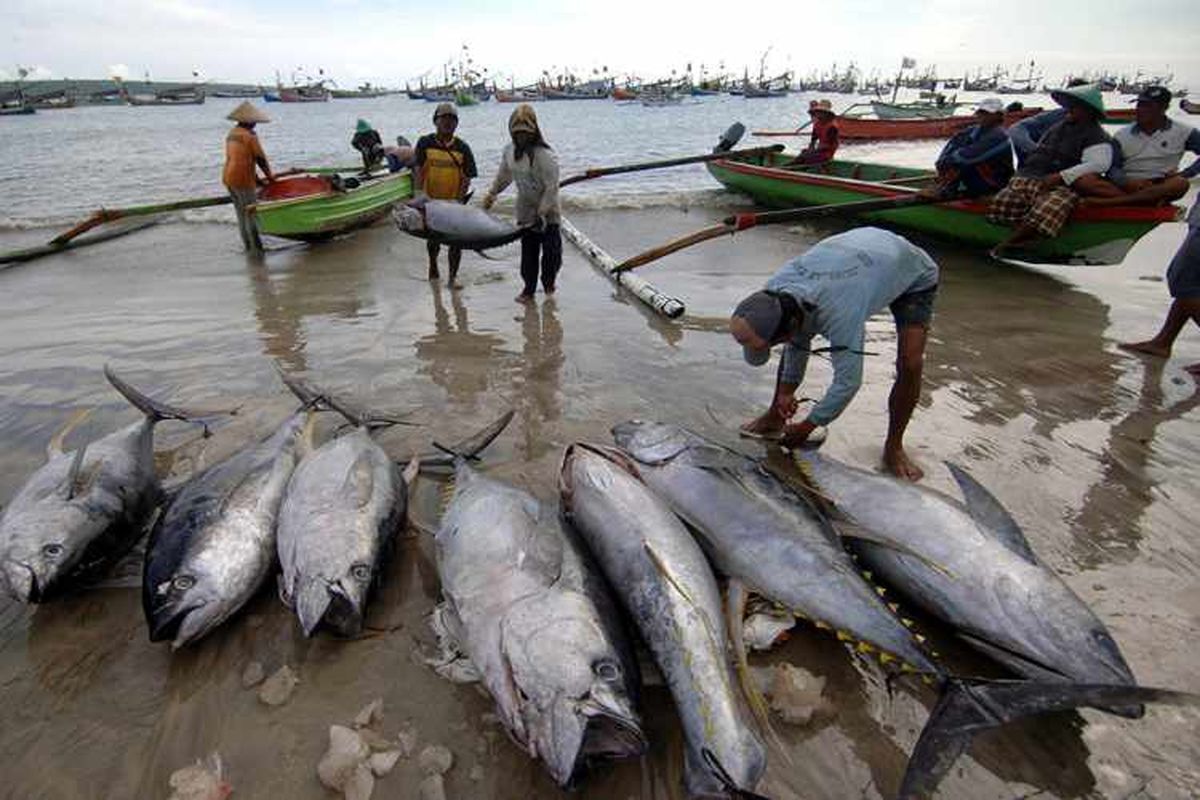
914 308
1183 276
1024 200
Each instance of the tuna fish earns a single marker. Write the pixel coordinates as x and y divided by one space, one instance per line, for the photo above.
534 618
662 578
765 534
214 545
448 222
83 509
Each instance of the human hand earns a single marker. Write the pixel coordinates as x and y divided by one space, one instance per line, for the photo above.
1052 181
785 405
796 435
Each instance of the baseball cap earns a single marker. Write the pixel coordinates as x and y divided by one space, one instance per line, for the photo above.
762 312
1155 94
445 110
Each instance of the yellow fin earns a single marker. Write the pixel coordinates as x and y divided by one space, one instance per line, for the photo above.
867 647
824 626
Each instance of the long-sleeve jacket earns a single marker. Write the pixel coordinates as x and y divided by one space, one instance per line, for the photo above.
1026 134
536 176
840 282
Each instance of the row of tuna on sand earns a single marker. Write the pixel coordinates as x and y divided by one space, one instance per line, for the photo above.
536 600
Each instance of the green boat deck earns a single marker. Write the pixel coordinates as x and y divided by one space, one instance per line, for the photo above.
1093 236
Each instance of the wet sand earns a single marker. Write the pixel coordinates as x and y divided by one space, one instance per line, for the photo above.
1093 450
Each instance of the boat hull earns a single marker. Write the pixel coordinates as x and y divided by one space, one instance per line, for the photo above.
319 212
913 110
863 129
1093 235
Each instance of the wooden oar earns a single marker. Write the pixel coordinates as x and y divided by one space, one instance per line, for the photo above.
796 132
110 214
670 162
740 222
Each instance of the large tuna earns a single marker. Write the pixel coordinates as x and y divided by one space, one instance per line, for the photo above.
83 509
452 223
214 545
765 534
662 578
526 607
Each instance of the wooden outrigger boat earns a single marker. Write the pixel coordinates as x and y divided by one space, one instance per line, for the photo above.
866 129
925 110
1189 107
316 207
1094 235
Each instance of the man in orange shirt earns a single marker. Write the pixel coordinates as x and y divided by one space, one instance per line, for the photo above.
242 154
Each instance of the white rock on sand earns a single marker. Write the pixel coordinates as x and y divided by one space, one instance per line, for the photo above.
253 675
201 781
435 760
278 688
795 694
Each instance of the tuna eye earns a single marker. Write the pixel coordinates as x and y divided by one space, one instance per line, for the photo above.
183 582
53 550
360 572
606 670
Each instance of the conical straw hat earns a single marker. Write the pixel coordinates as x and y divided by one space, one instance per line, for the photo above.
248 112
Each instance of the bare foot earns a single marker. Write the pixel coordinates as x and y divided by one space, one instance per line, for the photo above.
769 426
899 464
1149 348
455 286
524 298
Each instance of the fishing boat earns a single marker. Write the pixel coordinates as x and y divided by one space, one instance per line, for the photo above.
913 110
526 94
365 91
867 129
244 92
181 96
309 93
1121 115
312 208
1093 235
1189 107
17 110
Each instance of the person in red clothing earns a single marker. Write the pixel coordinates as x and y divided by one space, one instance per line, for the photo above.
243 154
824 141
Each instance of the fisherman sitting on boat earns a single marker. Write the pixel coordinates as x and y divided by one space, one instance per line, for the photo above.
402 156
831 290
824 141
1040 198
978 160
445 167
1026 133
1150 151
366 140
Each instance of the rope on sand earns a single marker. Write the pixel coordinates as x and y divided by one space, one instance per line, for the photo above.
669 307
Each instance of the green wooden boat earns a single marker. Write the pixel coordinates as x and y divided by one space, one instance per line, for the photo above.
313 207
1093 236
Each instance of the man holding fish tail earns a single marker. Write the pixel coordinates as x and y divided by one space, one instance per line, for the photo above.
445 166
832 290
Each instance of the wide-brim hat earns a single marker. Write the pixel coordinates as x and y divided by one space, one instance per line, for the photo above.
823 106
1087 94
445 110
523 119
248 113
362 126
990 105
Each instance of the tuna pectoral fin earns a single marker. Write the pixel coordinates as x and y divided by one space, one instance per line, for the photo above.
848 530
991 517
968 707
736 597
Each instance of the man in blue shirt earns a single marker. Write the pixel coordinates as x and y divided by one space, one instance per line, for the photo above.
978 160
832 290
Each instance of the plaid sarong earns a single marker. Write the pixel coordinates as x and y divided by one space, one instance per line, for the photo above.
1024 200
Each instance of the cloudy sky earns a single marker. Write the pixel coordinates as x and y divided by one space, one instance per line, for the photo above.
389 42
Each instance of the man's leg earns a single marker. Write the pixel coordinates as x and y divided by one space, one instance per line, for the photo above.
1183 279
1094 186
454 257
1146 193
432 249
906 391
551 257
531 249
1182 309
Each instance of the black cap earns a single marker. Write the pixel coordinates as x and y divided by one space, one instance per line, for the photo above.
1156 94
763 312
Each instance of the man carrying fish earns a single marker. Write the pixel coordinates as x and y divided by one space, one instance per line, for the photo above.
832 290
445 167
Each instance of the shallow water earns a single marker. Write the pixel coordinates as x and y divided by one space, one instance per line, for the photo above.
1093 450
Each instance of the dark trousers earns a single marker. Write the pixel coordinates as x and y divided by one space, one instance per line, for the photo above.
548 244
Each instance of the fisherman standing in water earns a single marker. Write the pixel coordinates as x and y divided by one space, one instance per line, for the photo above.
444 168
243 153
832 290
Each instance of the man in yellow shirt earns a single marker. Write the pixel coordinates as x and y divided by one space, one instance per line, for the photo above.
444 168
243 154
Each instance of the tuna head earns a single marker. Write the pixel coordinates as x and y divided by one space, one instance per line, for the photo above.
185 601
651 442
41 549
410 218
338 603
573 689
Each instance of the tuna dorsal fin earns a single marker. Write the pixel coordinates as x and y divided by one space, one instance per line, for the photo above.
991 517
967 707
55 445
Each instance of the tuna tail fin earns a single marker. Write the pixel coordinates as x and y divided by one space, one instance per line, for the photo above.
313 397
153 408
468 448
969 706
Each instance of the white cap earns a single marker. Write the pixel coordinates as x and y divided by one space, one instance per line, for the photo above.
991 105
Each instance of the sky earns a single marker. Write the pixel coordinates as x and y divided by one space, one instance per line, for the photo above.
388 43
